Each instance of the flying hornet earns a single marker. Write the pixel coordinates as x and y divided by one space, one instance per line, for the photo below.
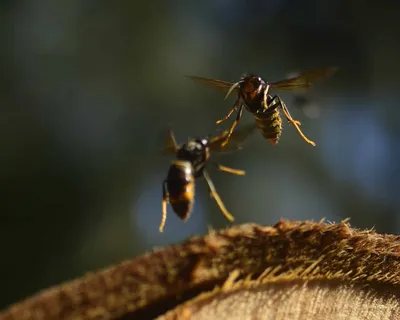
189 164
253 94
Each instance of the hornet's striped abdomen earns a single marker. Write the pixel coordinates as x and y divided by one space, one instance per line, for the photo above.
270 124
181 188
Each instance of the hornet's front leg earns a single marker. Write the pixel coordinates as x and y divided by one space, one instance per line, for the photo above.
239 115
230 112
265 96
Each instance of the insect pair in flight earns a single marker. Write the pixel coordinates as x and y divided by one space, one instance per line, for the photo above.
191 158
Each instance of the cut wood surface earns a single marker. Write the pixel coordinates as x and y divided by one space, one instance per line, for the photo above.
292 270
289 296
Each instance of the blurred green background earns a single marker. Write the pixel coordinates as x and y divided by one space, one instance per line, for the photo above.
88 89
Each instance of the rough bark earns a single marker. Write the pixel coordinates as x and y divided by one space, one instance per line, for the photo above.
299 270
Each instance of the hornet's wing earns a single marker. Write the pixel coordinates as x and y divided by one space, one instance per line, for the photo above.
304 80
222 86
170 146
236 140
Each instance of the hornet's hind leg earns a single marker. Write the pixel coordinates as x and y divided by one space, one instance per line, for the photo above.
165 198
216 197
276 102
222 168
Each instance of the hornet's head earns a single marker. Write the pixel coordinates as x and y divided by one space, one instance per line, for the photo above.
251 84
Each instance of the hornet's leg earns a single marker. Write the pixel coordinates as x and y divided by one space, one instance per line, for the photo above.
239 115
164 206
274 103
230 112
265 96
216 197
222 168
294 122
277 102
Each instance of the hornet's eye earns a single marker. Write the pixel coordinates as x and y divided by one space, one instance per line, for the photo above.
204 142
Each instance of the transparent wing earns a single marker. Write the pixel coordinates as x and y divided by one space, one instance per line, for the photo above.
238 138
304 80
222 86
170 145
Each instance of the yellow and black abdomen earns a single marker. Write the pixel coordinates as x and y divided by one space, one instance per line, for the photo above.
181 188
270 125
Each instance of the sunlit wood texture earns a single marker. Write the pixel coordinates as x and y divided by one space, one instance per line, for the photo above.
308 269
